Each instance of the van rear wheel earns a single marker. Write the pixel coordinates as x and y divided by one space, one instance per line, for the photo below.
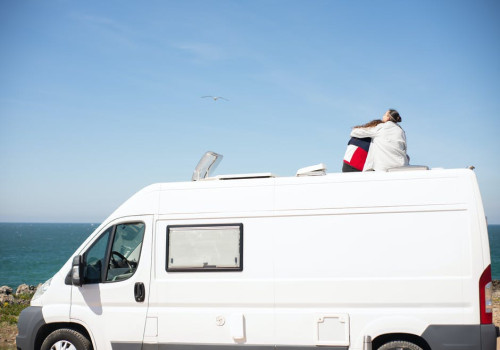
399 345
66 339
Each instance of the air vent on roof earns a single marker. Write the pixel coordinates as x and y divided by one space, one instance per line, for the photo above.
313 170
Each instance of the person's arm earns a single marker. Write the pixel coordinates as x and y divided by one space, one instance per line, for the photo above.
366 132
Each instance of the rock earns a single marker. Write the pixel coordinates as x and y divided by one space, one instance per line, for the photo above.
4 298
5 290
25 289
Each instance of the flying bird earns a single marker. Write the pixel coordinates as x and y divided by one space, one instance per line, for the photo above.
215 98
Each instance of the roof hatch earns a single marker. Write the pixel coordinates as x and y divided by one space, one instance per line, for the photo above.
207 164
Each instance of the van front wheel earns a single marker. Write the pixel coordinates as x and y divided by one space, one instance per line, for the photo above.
66 339
399 345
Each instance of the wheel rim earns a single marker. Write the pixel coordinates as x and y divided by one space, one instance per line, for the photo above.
63 345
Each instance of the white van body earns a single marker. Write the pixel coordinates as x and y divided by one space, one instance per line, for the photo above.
340 261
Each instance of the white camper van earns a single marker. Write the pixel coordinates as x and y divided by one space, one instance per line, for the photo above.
373 260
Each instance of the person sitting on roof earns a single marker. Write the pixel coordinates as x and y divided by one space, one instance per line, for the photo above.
387 147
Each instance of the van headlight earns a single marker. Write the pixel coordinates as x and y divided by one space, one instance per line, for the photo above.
42 289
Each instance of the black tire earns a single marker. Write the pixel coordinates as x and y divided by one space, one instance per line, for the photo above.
66 339
399 345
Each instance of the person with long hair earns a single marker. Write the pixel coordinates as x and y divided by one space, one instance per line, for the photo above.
387 147
357 150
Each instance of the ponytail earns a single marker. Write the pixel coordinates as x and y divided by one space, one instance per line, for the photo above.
395 116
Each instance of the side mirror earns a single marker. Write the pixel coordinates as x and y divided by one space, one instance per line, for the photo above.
77 271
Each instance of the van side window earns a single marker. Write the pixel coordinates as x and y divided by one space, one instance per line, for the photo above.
95 257
205 247
118 250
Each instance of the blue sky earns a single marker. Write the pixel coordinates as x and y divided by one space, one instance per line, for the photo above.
101 98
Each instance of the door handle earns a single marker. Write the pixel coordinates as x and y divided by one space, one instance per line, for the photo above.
139 292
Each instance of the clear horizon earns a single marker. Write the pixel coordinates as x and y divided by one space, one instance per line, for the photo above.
100 99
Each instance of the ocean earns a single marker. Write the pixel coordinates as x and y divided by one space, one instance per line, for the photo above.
32 253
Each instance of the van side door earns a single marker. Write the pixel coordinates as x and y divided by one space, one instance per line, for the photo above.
212 286
112 301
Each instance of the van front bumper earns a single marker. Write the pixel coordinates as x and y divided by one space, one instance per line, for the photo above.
30 321
460 337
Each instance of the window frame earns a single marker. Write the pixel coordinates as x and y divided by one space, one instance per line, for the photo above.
109 247
204 269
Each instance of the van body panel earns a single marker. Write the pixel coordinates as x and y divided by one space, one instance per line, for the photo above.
183 346
144 202
459 337
481 223
374 194
109 310
56 300
219 199
323 262
29 323
209 302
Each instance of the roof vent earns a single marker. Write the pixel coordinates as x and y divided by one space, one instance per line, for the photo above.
313 170
207 163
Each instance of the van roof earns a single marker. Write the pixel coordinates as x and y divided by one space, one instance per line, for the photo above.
314 170
264 192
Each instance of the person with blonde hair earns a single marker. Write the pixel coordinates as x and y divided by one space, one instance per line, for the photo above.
387 147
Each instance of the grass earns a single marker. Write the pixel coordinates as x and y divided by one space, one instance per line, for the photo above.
7 347
9 313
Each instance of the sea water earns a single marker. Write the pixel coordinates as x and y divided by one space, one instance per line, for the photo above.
494 234
32 253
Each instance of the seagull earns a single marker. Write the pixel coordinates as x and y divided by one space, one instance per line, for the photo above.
215 98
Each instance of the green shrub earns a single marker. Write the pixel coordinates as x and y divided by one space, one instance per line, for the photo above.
10 312
10 319
25 296
13 309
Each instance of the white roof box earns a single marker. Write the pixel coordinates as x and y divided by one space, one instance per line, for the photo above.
313 170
